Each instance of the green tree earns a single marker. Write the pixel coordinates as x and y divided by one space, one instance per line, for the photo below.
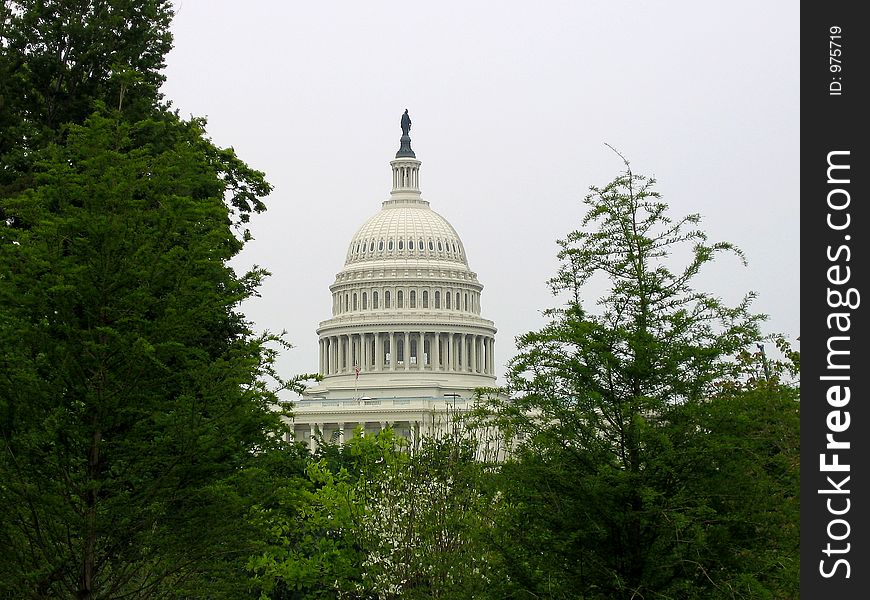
59 57
383 519
603 501
133 393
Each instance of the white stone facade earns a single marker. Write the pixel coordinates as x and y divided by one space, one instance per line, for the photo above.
406 337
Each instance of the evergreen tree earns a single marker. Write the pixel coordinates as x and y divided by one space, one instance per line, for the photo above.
59 57
613 400
132 389
133 402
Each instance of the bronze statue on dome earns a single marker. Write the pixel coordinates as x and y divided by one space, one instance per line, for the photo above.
406 123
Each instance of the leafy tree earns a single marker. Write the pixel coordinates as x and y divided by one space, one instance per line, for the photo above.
135 418
609 495
132 394
58 58
382 519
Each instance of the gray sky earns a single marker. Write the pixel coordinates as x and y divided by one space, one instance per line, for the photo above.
512 103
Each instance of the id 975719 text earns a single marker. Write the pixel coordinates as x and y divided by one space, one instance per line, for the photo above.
835 60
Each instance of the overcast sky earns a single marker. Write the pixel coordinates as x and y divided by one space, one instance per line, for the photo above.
512 104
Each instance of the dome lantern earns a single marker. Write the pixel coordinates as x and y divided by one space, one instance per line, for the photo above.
406 167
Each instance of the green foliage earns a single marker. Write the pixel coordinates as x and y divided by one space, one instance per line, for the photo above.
382 519
133 391
647 468
58 58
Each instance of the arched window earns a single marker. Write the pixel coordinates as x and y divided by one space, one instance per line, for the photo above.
466 301
400 350
400 300
425 299
412 299
431 246
447 298
401 244
437 299
380 245
439 246
365 303
414 353
411 245
354 301
390 245
457 301
387 299
374 299
346 303
420 244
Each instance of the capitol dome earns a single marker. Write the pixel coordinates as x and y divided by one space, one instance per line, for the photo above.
406 330
403 231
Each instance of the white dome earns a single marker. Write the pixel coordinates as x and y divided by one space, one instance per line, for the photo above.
406 231
406 326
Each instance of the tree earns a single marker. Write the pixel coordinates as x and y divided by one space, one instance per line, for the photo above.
134 410
383 519
604 502
58 58
132 392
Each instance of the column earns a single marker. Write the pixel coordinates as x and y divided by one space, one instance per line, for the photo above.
420 354
354 351
379 352
492 356
365 351
461 351
341 434
473 356
483 355
436 363
392 351
407 351
450 353
311 437
331 354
